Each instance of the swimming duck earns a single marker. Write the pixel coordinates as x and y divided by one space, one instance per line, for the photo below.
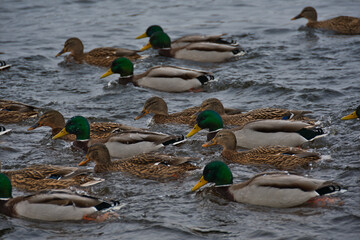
162 78
283 158
353 115
56 205
98 130
260 132
236 118
271 189
102 57
120 145
46 177
14 112
148 166
341 24
158 107
185 40
201 51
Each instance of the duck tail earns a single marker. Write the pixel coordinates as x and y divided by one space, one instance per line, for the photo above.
238 52
328 188
205 78
105 205
173 140
311 134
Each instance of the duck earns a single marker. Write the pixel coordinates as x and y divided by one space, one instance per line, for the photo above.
148 166
280 157
45 177
258 133
342 24
161 78
157 106
101 57
270 189
185 40
199 51
3 130
353 115
15 112
236 118
120 144
52 205
98 130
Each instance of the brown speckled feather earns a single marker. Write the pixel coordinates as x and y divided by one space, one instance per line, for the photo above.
14 112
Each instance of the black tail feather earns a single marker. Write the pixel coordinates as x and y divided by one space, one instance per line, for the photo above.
309 134
105 205
328 189
205 78
174 140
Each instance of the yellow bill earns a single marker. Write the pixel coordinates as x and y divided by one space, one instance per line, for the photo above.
144 35
143 113
108 73
350 116
201 183
85 161
62 133
147 46
195 129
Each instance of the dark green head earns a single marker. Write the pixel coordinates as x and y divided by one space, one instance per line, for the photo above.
77 125
5 187
209 119
153 29
218 172
159 40
122 66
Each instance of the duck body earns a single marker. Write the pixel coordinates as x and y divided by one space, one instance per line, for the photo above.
271 189
342 24
121 145
98 130
102 57
185 40
14 112
283 158
149 166
46 177
200 51
161 78
260 132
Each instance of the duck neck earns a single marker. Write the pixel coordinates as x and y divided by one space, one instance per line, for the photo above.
212 133
125 80
166 52
81 145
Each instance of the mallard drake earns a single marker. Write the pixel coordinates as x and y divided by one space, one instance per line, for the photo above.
120 145
98 130
260 132
341 24
102 57
353 115
14 112
158 107
201 51
148 166
162 78
185 40
271 189
56 205
46 177
236 118
283 158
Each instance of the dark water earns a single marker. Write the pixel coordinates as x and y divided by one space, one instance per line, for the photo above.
286 66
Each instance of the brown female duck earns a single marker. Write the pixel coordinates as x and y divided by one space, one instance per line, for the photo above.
148 166
98 130
158 107
283 158
46 177
102 57
14 112
341 24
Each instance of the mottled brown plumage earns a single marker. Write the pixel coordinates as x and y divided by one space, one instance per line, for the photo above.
148 166
158 107
283 158
14 112
103 56
342 24
36 177
98 130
